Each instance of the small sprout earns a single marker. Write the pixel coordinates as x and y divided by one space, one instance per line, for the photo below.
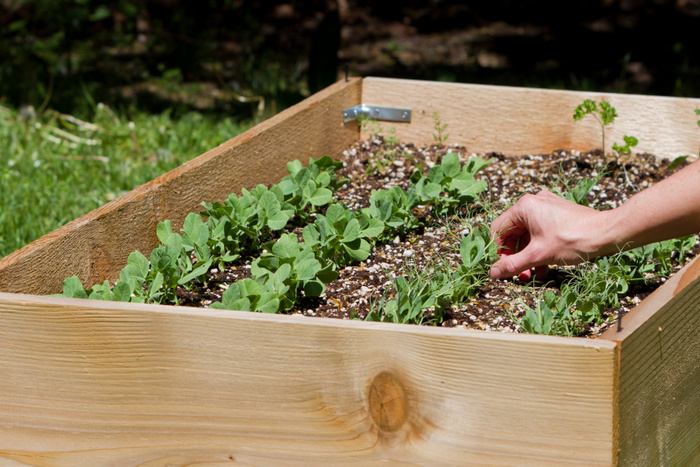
439 136
630 142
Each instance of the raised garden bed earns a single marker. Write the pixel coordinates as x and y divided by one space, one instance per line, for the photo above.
129 383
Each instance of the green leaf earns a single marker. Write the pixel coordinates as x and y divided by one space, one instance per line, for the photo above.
248 287
547 320
122 291
328 274
101 291
607 113
676 162
307 269
371 228
320 196
358 249
195 228
323 179
278 220
475 164
196 273
164 230
334 213
286 247
138 264
271 305
451 165
314 288
283 273
155 286
294 167
311 234
352 231
73 288
472 249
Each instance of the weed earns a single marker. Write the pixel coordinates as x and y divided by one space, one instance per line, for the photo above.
383 156
424 294
579 193
370 126
440 136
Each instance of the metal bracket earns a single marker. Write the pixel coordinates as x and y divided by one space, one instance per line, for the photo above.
386 114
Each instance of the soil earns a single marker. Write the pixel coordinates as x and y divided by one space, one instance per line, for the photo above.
373 164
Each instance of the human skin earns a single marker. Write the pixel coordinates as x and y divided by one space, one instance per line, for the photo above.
545 229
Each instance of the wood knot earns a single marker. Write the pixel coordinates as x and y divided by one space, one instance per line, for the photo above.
387 402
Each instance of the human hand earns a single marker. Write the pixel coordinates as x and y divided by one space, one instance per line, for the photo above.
540 230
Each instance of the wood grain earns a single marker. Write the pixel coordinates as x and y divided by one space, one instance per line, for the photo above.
533 121
120 384
95 246
660 375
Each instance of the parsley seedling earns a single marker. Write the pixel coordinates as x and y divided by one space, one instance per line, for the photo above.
603 112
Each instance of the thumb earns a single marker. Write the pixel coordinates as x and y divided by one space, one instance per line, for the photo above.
510 265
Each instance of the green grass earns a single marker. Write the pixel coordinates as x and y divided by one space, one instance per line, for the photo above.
55 168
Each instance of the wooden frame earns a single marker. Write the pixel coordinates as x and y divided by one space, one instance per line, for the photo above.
89 382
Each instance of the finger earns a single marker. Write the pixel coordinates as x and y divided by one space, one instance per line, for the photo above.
506 225
509 246
546 194
525 276
540 274
511 265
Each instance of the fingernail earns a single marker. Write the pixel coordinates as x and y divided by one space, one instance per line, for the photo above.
495 271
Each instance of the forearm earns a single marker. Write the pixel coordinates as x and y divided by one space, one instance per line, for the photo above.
668 209
553 230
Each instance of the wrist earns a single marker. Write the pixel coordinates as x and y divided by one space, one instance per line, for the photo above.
611 233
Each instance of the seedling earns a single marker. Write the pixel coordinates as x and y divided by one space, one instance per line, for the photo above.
249 295
341 235
440 136
383 156
603 112
457 181
394 208
579 193
630 142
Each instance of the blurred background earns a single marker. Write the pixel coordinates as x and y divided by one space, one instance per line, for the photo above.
210 55
97 97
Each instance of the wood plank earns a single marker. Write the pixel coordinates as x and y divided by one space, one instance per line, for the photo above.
96 245
660 375
125 384
532 121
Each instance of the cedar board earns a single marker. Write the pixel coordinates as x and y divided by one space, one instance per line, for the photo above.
94 383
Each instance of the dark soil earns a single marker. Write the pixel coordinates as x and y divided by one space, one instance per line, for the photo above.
372 165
